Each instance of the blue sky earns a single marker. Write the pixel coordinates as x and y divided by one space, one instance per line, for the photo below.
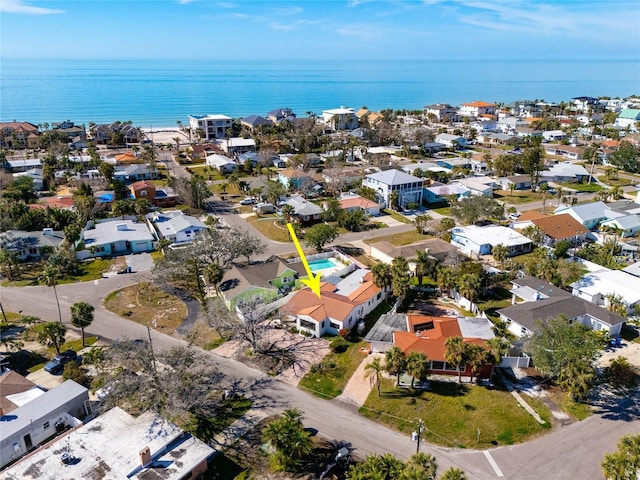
337 29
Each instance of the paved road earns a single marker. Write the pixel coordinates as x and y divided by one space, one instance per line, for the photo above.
570 452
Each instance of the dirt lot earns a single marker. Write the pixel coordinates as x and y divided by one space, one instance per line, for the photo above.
630 350
295 354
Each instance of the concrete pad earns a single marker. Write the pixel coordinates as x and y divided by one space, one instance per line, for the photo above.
140 262
45 379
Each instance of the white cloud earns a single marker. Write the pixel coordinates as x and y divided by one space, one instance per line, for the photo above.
286 27
184 2
19 6
225 5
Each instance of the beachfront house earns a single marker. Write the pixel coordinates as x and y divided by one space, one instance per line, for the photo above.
19 135
395 184
343 118
476 109
209 127
443 112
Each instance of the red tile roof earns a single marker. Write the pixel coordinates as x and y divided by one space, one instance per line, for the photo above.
479 104
358 202
139 185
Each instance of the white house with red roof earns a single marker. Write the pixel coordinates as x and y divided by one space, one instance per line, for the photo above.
356 202
476 109
342 305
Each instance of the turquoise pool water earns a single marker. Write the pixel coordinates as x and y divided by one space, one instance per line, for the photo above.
322 264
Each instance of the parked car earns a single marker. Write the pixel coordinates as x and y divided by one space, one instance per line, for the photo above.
247 201
514 216
56 366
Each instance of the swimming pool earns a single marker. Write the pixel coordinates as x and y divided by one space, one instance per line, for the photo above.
322 264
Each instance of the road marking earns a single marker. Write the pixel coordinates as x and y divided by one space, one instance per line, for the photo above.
493 464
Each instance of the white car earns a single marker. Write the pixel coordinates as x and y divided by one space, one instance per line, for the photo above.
514 216
247 201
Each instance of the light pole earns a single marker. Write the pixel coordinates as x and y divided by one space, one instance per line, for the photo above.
417 435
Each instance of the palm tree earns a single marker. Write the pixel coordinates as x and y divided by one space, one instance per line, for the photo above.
400 282
215 273
446 279
453 474
82 316
49 277
577 378
394 199
456 354
417 366
425 265
52 334
395 362
421 222
382 276
476 357
8 264
500 253
288 437
469 285
421 466
373 370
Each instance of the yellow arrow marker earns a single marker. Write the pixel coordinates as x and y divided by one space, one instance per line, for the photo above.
314 280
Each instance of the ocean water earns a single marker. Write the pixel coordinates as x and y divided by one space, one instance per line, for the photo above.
159 93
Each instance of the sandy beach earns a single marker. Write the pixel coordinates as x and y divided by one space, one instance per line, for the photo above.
165 134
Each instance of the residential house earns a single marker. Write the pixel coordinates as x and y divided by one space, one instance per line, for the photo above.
484 126
73 132
116 236
36 176
524 108
102 134
61 202
162 197
263 282
442 111
474 240
590 215
628 118
350 203
501 139
36 421
509 125
279 115
554 135
341 306
371 117
388 183
175 226
519 182
23 165
203 150
452 162
476 108
222 163
19 135
565 172
304 211
435 247
429 335
561 227
566 151
237 145
625 226
585 103
523 318
209 127
598 286
528 132
116 445
477 186
342 177
343 118
451 141
16 391
439 192
30 245
295 179
134 172
532 289
254 121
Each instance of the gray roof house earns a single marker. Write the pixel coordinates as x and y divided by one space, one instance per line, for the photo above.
385 183
254 121
28 245
175 226
117 446
134 172
36 421
303 210
220 162
523 318
117 237
590 215
564 172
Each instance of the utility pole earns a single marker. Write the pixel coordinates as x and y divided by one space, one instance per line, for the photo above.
419 434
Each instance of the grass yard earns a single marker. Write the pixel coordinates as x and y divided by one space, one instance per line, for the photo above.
582 187
518 196
88 270
501 300
453 413
621 181
230 411
143 303
48 353
328 378
446 210
396 215
268 227
397 239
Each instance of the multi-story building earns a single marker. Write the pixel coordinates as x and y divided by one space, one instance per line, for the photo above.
343 118
19 135
389 182
477 108
209 127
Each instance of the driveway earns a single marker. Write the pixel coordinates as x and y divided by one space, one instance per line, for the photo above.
629 350
139 262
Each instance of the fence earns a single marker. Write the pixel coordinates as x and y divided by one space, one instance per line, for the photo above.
515 362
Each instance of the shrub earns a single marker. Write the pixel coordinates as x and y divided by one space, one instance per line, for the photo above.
339 345
620 373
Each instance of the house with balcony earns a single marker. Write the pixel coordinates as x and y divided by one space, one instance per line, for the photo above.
342 305
442 111
237 145
209 127
390 183
343 118
476 109
19 135
162 197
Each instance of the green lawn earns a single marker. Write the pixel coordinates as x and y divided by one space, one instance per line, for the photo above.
446 210
622 181
453 413
88 270
267 226
491 306
75 345
583 187
230 411
518 197
328 378
396 215
397 239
